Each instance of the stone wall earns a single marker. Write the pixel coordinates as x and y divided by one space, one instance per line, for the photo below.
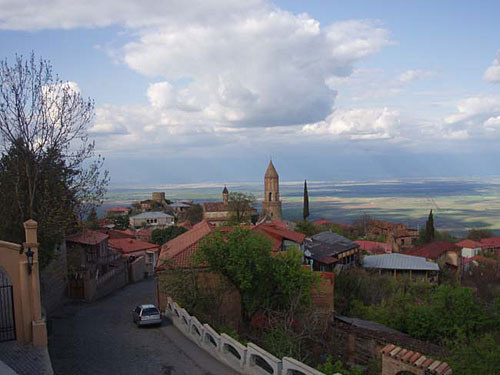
54 281
137 269
109 282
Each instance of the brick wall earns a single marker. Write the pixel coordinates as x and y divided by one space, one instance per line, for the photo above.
360 345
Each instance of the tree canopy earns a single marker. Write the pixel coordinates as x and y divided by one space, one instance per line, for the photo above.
48 169
163 235
264 282
240 207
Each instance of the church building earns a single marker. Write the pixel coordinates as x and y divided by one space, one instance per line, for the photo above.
272 203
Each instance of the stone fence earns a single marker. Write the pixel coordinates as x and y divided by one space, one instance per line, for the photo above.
247 359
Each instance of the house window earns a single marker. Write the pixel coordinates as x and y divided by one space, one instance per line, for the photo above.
151 257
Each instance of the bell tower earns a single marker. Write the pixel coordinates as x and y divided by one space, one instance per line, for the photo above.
225 195
272 204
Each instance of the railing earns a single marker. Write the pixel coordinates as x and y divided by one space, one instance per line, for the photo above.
247 359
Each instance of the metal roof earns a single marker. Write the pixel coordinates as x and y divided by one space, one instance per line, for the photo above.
179 204
399 262
327 244
151 215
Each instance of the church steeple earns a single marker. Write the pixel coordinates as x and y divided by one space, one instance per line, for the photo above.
225 195
272 204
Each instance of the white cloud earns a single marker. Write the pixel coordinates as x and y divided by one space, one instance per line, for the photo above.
492 74
265 68
475 108
373 123
414 74
492 124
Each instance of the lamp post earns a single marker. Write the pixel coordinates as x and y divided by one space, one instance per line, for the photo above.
29 257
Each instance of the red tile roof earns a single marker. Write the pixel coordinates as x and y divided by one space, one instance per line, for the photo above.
186 224
115 233
490 242
279 232
180 249
118 209
375 247
88 237
131 245
469 244
433 250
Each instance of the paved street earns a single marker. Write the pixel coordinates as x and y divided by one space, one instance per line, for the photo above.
100 338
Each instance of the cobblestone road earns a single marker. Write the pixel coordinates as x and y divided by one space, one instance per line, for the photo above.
100 338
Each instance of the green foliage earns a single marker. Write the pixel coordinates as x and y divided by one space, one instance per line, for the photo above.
121 222
305 208
479 356
92 219
190 288
281 344
477 234
306 227
330 368
427 234
54 204
161 236
194 214
244 258
240 208
424 311
48 169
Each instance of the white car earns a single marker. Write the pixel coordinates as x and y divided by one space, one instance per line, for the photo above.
147 315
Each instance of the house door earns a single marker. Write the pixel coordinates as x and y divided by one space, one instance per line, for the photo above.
7 320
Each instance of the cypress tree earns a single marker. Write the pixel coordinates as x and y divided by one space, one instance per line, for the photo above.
429 228
305 211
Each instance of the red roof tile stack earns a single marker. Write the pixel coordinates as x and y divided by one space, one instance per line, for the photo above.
417 360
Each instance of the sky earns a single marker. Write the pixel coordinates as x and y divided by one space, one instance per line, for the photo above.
210 90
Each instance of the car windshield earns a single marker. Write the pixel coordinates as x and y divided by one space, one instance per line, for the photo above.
150 311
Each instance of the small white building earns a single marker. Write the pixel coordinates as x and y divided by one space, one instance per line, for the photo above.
152 219
470 248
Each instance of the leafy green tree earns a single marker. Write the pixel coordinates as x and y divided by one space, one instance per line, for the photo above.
161 236
240 208
48 170
244 258
121 222
194 214
92 219
307 228
477 234
428 234
479 356
305 209
330 368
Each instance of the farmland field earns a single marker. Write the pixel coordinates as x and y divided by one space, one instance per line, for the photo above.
458 204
